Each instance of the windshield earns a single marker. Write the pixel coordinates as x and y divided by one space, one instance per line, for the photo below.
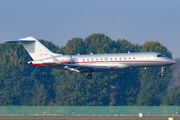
160 56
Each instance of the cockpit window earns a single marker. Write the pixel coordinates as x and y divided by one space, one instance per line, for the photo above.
159 55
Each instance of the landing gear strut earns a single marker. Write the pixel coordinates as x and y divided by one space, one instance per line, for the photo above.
89 76
162 70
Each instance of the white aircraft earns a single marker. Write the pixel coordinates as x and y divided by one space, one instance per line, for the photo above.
90 63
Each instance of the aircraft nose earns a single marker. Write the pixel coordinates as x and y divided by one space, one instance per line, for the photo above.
173 62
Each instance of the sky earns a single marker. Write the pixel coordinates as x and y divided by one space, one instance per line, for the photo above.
58 21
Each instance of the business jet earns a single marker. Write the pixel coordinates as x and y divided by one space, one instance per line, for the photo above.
90 63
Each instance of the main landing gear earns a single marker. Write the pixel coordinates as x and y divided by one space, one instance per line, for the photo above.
89 76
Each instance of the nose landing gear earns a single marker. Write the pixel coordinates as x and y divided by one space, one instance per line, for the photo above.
162 70
89 76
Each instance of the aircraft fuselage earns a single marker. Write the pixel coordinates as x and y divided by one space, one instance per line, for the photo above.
110 62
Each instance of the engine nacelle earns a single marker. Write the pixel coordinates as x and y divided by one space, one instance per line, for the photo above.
63 59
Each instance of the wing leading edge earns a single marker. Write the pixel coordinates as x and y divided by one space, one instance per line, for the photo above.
88 68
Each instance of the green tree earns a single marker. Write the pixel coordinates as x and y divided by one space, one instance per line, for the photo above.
76 89
18 79
12 75
99 43
175 80
153 85
39 95
171 98
74 46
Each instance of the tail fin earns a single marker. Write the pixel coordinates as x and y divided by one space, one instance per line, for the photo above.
36 50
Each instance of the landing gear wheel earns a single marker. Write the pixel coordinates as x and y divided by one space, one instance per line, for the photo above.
89 76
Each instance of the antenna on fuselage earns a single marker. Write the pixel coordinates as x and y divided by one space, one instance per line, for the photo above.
78 54
91 53
128 52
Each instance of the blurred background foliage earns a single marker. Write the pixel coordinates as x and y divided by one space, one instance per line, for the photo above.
28 85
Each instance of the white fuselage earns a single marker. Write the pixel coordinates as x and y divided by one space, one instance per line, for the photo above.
113 62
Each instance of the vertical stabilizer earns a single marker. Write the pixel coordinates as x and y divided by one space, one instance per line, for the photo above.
36 50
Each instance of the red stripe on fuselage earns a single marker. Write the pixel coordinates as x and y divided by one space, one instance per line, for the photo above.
43 63
50 63
103 62
132 61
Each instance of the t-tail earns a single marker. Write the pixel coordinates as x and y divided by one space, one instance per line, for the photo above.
36 50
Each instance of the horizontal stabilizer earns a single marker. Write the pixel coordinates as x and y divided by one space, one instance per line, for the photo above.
12 41
22 40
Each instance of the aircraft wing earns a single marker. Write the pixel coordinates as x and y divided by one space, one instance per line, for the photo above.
89 68
81 68
84 68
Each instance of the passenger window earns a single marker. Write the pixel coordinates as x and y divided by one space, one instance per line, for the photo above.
111 58
115 58
129 58
101 59
124 58
87 59
119 58
83 60
96 59
134 58
91 59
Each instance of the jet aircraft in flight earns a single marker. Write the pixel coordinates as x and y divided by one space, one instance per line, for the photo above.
42 56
